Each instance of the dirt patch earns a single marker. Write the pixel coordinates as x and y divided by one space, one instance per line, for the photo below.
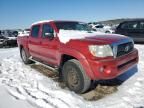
99 90
45 71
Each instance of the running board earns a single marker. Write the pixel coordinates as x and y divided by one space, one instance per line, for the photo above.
55 69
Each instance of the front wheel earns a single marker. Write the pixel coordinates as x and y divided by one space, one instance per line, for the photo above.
75 76
24 56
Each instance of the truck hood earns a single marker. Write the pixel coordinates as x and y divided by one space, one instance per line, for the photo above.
68 36
106 38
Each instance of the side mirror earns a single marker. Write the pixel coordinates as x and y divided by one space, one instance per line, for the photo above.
50 36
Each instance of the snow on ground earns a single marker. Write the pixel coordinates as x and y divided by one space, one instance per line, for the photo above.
32 89
7 101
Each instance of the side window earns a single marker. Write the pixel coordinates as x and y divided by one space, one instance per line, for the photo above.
35 31
142 25
133 25
47 29
124 26
99 26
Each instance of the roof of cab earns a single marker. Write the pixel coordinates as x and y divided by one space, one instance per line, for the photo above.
46 21
42 21
133 20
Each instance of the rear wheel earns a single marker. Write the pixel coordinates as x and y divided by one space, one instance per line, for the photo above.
24 56
75 77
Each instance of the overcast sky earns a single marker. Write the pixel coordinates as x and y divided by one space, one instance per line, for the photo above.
21 13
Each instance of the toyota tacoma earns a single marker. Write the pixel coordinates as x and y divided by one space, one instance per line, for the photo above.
79 54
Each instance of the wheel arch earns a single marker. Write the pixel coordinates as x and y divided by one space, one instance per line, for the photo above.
73 54
23 47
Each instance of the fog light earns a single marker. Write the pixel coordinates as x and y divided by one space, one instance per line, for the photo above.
105 70
108 71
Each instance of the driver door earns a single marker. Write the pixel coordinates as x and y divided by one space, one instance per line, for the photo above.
49 45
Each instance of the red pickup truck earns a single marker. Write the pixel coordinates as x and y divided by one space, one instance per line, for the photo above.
80 54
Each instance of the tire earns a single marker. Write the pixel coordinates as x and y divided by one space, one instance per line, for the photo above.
24 56
75 76
107 32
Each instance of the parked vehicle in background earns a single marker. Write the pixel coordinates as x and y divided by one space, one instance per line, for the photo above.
101 28
79 54
1 39
8 38
133 29
92 24
24 32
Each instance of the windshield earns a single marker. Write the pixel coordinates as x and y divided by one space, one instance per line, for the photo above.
73 26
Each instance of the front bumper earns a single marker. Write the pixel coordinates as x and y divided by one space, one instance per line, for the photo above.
111 68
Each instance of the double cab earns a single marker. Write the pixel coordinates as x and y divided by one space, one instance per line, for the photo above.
79 54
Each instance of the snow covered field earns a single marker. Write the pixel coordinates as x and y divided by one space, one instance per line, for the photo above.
23 86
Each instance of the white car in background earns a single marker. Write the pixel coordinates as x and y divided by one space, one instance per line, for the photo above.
24 32
102 28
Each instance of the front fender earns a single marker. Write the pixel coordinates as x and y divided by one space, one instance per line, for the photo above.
81 58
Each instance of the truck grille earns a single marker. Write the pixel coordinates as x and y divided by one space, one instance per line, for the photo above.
127 63
124 48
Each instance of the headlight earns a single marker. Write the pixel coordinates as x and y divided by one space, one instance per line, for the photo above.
101 50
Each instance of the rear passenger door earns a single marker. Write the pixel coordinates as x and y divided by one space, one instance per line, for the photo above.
34 41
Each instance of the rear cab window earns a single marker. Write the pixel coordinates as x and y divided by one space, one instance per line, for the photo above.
35 31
